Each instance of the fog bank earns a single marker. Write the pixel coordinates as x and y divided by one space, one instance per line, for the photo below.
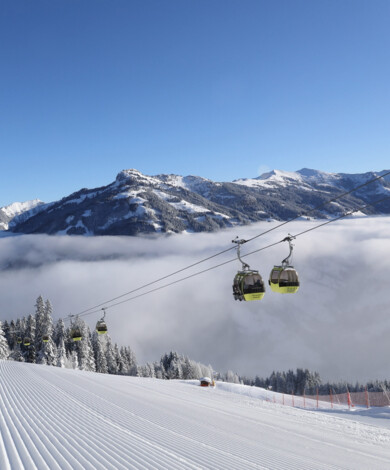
338 322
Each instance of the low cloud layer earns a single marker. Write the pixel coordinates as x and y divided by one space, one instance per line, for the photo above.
338 323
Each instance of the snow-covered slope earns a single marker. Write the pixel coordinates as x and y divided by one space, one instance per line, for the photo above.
15 209
139 204
53 418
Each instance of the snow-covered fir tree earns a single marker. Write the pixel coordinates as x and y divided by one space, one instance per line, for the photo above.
6 332
20 329
59 336
48 352
172 363
130 361
98 345
74 360
39 324
159 370
4 348
118 359
290 382
191 369
29 352
11 335
124 364
232 377
110 357
83 348
146 370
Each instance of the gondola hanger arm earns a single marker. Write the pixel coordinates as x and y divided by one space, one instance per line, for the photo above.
240 242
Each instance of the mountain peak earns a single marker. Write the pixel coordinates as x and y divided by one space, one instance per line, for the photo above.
130 173
139 204
133 176
281 174
308 172
17 208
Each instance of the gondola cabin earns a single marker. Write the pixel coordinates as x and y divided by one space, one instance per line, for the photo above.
45 339
19 340
101 327
76 334
248 285
26 341
284 280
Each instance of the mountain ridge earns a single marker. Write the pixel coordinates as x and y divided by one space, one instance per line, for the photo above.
135 204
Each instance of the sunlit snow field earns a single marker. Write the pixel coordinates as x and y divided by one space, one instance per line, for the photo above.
52 418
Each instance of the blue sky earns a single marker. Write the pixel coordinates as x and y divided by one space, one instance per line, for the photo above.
217 88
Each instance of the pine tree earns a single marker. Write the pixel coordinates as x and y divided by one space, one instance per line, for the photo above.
39 324
84 349
124 365
74 360
22 330
118 359
172 364
159 370
300 381
313 382
4 349
280 382
146 371
13 335
232 377
110 357
59 338
16 355
6 331
69 343
259 382
61 356
29 352
59 333
47 352
191 369
100 357
290 382
131 361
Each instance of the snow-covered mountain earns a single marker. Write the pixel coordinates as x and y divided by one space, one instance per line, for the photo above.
16 209
138 204
64 419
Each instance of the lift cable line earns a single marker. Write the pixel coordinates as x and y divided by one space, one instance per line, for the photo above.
93 309
325 223
155 281
234 259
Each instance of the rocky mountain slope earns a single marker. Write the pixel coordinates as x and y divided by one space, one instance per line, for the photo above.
138 204
15 209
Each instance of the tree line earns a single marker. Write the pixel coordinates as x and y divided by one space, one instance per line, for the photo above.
97 353
303 381
52 344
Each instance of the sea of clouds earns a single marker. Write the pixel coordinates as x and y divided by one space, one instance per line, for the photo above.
337 324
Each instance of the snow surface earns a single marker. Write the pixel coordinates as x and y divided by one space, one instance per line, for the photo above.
274 179
136 174
305 178
17 208
82 198
52 418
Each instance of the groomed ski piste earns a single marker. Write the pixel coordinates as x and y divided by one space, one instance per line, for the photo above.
52 418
